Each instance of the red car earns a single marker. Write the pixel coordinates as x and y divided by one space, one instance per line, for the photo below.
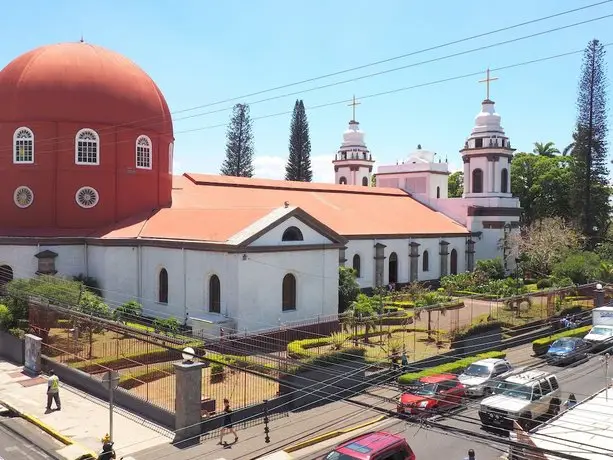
377 445
435 393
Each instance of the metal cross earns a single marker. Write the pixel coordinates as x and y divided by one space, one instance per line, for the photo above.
353 104
487 81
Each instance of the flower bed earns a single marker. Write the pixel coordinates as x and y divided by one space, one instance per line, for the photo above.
540 346
454 367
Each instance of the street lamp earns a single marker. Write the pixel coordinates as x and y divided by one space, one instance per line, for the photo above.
188 355
111 380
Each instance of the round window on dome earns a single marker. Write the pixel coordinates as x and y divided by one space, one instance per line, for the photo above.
87 197
23 197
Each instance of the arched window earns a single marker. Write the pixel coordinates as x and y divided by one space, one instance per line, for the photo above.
342 180
292 234
438 192
393 268
289 292
425 261
171 150
87 147
214 294
356 265
504 180
477 181
163 286
453 262
143 152
365 181
23 146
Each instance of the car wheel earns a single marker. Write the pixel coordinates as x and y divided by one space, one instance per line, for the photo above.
554 408
525 421
487 391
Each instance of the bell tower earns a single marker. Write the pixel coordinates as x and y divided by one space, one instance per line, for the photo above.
353 162
487 154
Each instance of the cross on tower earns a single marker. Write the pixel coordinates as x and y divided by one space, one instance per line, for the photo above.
487 81
353 104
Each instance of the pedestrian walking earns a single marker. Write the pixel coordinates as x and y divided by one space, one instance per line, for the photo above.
571 401
471 455
227 422
53 391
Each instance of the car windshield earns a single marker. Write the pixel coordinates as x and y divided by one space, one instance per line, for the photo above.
514 390
338 456
477 370
564 344
427 389
607 332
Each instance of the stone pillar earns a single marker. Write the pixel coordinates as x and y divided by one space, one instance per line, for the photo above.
33 346
188 397
444 254
379 264
599 296
413 261
470 255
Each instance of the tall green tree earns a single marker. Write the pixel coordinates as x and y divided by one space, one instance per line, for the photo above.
547 149
299 162
542 184
590 189
455 185
239 144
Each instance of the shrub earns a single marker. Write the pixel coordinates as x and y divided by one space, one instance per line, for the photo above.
217 373
580 267
348 288
129 311
544 283
6 318
477 328
168 326
454 367
540 346
492 268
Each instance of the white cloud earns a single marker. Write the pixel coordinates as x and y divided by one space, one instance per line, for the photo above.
273 167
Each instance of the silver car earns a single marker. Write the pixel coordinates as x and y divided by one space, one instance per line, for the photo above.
482 376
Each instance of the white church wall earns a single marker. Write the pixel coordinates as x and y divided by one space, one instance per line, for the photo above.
260 287
21 258
117 272
365 249
273 236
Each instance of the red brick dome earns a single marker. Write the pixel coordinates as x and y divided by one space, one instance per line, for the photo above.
84 83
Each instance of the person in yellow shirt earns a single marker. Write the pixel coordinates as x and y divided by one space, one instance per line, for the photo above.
53 391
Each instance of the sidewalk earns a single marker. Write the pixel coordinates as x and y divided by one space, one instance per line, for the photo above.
290 430
83 420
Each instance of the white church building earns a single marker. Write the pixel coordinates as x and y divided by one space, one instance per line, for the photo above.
89 190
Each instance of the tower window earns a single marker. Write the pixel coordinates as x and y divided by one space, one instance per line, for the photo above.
365 181
143 152
504 180
342 180
87 149
478 143
477 181
292 234
23 146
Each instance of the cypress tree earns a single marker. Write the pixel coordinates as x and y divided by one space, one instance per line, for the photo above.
239 144
299 162
590 195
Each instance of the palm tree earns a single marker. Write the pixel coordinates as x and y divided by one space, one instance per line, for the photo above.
548 149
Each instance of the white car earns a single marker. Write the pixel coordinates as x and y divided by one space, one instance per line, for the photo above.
523 398
482 376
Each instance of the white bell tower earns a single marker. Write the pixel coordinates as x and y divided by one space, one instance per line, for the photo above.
353 162
487 154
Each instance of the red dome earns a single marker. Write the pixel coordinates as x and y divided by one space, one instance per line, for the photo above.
84 83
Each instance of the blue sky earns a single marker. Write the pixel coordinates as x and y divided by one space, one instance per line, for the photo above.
202 51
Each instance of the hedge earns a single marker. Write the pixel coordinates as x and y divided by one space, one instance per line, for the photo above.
478 294
132 380
450 368
540 346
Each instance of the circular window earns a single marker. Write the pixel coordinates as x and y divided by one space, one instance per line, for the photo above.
23 196
87 197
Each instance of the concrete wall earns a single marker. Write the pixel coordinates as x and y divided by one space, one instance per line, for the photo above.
94 387
12 348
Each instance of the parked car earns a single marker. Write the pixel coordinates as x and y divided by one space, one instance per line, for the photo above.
568 350
377 445
480 377
524 398
434 393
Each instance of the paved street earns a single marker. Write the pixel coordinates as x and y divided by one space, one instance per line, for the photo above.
20 441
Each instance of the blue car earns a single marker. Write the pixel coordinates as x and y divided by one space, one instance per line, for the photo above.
567 350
